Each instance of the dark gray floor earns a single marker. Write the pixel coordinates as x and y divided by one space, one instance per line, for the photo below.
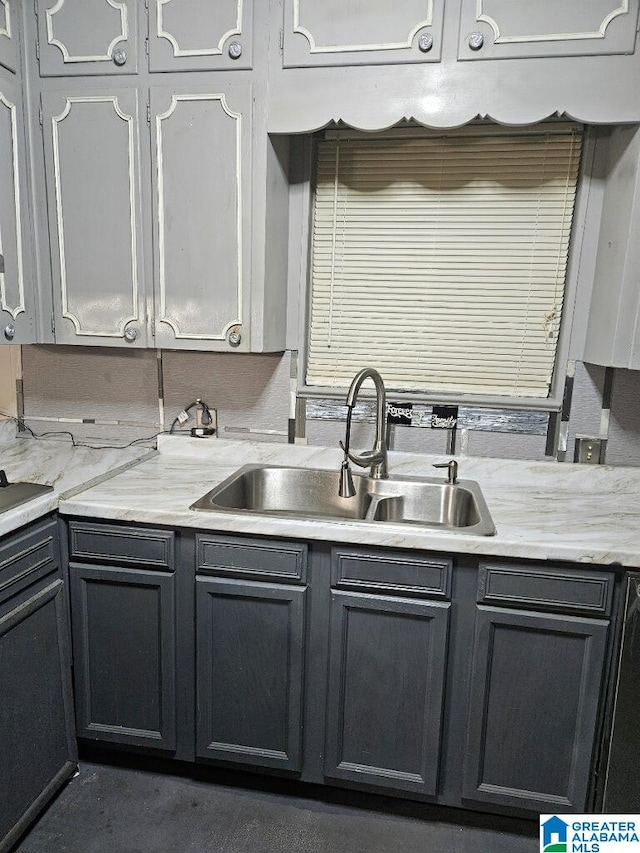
118 809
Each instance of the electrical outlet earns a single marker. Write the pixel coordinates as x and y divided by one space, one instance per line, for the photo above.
589 450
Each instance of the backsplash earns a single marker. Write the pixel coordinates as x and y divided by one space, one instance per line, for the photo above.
119 390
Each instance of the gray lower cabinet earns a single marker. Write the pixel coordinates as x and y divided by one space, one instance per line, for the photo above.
536 686
37 742
386 690
250 645
480 685
249 650
124 635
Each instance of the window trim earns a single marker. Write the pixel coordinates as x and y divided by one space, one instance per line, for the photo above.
578 285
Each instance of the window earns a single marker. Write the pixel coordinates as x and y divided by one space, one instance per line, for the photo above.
441 259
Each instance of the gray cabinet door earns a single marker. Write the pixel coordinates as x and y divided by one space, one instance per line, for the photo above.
87 36
493 29
124 641
92 171
533 707
362 32
200 35
9 55
250 647
386 684
37 745
201 212
16 283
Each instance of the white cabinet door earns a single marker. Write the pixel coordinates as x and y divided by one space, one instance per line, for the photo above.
92 171
491 29
16 303
87 36
202 177
198 35
9 34
362 32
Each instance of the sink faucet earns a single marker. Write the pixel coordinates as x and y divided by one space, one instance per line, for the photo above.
376 458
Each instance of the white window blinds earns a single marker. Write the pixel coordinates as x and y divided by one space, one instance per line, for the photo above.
441 259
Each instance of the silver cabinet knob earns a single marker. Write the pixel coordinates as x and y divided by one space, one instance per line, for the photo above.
425 42
476 40
119 56
235 50
130 335
234 338
9 331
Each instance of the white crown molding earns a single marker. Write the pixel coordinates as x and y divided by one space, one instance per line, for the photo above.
164 318
20 308
205 51
101 57
348 48
66 311
499 38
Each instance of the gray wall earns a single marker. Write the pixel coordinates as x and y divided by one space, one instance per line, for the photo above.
120 389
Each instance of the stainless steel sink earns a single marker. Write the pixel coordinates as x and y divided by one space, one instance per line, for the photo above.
313 493
290 491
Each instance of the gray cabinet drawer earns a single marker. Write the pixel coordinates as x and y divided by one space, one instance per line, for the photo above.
391 571
27 557
225 555
549 588
107 543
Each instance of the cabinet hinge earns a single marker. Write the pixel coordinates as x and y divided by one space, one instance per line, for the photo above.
148 113
281 40
40 119
37 48
53 324
146 46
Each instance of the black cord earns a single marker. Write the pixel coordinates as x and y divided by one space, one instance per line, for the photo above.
206 420
74 441
206 414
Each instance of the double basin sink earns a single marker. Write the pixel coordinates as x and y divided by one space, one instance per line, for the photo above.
313 494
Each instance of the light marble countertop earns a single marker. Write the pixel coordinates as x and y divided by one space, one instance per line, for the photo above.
542 510
55 462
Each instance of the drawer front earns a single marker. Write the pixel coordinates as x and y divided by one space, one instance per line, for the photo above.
226 555
110 543
26 557
548 588
391 571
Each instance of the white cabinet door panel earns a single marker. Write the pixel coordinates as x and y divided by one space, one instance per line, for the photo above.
362 32
92 166
520 28
200 35
202 177
87 36
15 296
8 34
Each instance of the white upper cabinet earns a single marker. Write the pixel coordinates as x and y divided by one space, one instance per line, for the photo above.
87 36
16 309
362 32
494 29
9 55
93 178
201 215
188 35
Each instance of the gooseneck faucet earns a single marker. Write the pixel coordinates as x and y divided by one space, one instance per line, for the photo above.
376 458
